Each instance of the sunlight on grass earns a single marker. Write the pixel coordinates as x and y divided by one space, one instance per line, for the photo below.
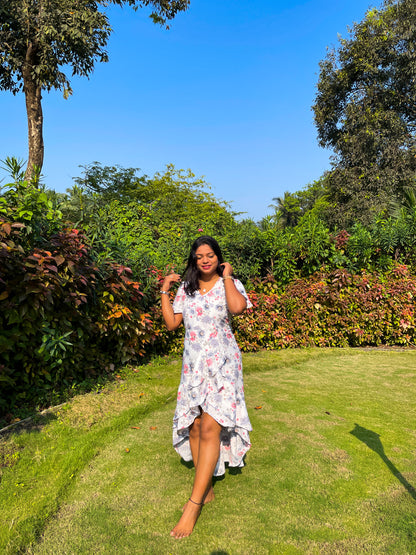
332 467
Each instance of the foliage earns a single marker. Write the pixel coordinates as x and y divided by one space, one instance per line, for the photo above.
335 309
62 317
386 241
313 244
300 251
243 245
364 111
29 202
146 221
151 222
78 300
406 205
297 251
290 209
112 183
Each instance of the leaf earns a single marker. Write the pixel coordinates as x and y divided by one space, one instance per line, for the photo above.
7 228
259 407
59 259
153 428
135 427
4 295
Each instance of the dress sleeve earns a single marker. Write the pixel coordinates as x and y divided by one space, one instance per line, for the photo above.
179 300
240 289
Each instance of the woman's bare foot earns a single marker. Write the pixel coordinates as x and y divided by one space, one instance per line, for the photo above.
187 521
210 496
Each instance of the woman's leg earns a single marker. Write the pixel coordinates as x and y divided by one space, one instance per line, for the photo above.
207 456
194 434
194 431
209 451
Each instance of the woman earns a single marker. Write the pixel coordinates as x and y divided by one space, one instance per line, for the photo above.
211 424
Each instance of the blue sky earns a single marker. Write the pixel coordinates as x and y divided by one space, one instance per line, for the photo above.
226 92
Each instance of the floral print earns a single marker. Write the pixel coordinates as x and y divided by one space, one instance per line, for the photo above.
212 376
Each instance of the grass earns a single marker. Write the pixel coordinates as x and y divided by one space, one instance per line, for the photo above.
332 467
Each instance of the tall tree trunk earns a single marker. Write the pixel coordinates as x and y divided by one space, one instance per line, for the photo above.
33 96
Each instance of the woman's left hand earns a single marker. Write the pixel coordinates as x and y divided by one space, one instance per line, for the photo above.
227 269
236 302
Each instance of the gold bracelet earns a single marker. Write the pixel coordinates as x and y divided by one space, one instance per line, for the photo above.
227 277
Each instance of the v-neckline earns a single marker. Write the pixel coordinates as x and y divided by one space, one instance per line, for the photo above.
209 291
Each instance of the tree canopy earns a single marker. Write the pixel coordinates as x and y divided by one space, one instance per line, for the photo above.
365 111
40 40
290 208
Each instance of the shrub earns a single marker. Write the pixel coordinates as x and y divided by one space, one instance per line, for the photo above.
335 309
29 202
63 317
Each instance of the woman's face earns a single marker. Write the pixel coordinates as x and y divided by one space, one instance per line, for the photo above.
206 261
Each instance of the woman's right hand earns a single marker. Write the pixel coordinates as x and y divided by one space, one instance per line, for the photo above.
172 320
167 282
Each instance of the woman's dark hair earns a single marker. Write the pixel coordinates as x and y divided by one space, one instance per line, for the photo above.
192 274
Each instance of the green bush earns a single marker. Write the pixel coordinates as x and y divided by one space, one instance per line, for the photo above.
30 203
63 317
142 221
76 304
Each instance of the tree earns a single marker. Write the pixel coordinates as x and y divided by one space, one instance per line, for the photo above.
40 39
406 205
288 210
143 221
365 110
291 208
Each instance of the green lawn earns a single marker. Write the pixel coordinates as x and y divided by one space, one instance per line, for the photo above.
332 467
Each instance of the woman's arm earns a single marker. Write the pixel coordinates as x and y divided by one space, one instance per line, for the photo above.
235 300
172 320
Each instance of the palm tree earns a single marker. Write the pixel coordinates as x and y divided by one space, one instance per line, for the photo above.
406 205
288 210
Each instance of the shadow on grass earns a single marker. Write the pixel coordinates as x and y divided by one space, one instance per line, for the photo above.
187 464
232 471
372 440
31 424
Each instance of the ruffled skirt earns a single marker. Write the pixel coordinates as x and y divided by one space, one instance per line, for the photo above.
215 386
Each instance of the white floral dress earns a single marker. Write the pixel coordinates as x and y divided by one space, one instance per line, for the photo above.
212 377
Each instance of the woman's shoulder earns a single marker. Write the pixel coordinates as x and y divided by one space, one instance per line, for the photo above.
183 289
